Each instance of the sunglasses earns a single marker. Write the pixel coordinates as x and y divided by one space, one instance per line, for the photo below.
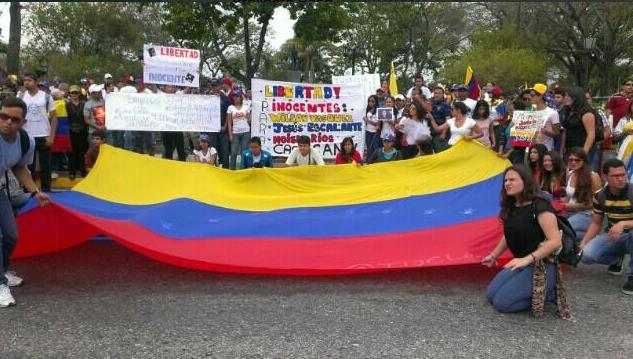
15 120
74 93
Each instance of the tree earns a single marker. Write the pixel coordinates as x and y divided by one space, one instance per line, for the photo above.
221 30
496 56
15 35
75 40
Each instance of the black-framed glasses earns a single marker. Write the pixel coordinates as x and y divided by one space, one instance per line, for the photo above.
14 119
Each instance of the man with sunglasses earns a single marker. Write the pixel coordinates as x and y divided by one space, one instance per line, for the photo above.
619 103
15 156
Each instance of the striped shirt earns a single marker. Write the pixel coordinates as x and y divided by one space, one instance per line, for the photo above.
616 207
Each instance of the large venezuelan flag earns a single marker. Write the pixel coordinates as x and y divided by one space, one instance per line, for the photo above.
314 220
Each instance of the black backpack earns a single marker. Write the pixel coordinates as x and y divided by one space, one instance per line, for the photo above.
599 126
570 251
25 143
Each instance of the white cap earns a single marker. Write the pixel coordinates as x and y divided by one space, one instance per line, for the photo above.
95 88
107 76
400 97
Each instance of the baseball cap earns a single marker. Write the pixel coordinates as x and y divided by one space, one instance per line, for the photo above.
462 87
107 76
74 88
380 89
400 97
497 91
227 81
45 84
84 81
237 93
204 137
215 82
539 88
95 88
389 137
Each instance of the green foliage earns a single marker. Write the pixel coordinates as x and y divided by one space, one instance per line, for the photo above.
497 56
89 39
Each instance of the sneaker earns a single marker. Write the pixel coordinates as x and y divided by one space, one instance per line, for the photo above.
628 286
6 299
13 280
617 268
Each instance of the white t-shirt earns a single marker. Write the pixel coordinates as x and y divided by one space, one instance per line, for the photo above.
247 104
205 158
414 130
240 119
296 158
37 122
458 132
128 89
552 119
370 127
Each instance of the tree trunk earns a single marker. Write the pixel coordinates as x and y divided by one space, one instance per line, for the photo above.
15 35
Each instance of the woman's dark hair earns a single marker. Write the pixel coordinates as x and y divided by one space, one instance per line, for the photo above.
347 157
480 104
529 191
15 102
583 192
579 106
369 109
541 149
461 107
557 173
419 109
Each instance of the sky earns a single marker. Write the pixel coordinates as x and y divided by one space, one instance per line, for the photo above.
280 29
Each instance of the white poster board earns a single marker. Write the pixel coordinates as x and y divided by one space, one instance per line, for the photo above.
282 111
369 83
164 65
162 112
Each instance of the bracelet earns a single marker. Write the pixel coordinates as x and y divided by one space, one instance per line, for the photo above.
533 258
34 193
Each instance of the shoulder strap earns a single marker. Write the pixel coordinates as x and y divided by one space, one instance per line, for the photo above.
25 142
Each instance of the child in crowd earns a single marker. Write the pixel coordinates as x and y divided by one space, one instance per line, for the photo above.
385 153
90 158
205 154
481 114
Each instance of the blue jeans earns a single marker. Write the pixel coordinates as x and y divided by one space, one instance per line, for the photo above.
239 144
580 221
372 142
511 291
8 234
601 250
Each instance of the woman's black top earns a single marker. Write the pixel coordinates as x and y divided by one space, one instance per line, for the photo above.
522 230
76 117
575 133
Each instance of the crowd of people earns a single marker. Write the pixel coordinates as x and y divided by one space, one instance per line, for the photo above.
556 175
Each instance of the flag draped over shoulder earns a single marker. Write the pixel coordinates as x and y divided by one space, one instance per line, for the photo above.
472 84
62 135
393 82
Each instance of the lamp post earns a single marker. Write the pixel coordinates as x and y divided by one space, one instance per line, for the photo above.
589 43
353 53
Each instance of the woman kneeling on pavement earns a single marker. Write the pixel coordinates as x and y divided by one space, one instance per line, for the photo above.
531 233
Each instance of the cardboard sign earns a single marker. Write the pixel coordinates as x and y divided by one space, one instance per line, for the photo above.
164 65
525 126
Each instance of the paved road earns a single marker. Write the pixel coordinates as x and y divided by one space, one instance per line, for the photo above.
103 301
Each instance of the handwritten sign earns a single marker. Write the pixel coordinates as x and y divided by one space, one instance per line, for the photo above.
525 127
283 111
369 83
162 112
164 65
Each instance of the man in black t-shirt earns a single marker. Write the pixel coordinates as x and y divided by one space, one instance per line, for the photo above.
614 202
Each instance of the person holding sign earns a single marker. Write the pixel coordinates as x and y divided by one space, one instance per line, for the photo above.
372 125
551 129
238 119
304 154
461 125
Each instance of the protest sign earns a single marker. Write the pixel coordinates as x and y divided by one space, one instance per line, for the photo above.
171 66
282 111
525 127
384 113
369 83
162 112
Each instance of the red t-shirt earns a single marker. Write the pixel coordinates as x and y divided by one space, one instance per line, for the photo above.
619 106
339 158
